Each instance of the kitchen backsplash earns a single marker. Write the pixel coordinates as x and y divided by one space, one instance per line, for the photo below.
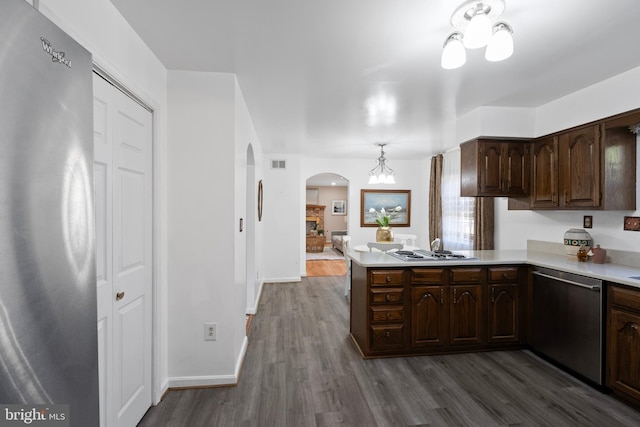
631 259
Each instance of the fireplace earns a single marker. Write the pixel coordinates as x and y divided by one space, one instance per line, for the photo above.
315 218
313 223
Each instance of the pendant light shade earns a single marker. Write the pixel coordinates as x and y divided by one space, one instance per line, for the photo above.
453 53
501 44
478 32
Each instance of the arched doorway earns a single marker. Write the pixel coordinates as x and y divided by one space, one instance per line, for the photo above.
326 219
251 224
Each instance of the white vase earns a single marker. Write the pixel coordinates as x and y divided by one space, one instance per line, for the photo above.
573 239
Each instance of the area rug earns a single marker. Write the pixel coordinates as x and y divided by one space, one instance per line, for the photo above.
328 253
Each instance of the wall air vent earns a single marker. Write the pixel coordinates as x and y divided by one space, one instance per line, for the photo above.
278 164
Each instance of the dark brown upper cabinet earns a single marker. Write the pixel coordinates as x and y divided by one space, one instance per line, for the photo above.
544 173
493 167
579 161
591 167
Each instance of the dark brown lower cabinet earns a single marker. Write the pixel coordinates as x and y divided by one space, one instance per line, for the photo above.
467 315
429 316
623 343
467 311
436 309
504 321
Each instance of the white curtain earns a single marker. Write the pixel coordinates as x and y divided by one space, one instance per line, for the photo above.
457 212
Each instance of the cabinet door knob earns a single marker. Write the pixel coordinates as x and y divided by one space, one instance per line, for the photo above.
387 297
387 334
388 315
119 295
388 279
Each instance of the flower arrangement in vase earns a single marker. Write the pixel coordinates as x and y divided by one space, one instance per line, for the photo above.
384 233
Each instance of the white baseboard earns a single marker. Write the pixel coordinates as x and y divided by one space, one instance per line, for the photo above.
254 309
212 380
284 280
160 392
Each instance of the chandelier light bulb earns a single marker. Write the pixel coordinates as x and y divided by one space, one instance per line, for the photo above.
478 32
453 54
382 174
501 44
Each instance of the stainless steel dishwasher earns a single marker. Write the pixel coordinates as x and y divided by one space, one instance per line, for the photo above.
568 322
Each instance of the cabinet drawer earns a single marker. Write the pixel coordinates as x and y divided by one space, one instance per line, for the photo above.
625 297
387 336
387 295
386 277
503 274
387 313
427 275
466 275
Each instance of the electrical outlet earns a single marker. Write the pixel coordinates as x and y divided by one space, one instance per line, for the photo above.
210 331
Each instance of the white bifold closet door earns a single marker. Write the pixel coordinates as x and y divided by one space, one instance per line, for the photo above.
123 196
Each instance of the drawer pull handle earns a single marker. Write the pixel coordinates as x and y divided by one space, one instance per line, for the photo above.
388 279
388 315
505 276
387 297
387 334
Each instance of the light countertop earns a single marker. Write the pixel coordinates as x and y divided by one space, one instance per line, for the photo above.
611 272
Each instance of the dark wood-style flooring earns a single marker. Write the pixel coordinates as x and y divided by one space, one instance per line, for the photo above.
301 369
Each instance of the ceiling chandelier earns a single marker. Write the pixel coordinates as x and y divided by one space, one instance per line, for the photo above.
382 174
474 29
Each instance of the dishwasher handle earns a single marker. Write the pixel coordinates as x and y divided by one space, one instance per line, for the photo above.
595 288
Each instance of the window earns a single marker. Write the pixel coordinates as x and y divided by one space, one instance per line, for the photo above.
458 213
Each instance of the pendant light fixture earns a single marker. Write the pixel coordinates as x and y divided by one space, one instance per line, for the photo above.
474 29
382 174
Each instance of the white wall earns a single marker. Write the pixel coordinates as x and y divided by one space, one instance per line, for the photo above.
248 255
496 121
117 49
283 203
203 228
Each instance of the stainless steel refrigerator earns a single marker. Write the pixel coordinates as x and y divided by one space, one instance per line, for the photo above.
48 340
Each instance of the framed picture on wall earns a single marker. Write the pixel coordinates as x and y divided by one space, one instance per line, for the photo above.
396 203
338 207
260 196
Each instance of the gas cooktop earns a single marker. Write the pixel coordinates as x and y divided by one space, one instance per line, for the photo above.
424 255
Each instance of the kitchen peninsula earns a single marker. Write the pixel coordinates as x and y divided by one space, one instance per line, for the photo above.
485 302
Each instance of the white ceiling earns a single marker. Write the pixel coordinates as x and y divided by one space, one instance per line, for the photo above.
307 69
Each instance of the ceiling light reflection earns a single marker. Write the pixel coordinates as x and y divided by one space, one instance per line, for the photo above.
381 110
